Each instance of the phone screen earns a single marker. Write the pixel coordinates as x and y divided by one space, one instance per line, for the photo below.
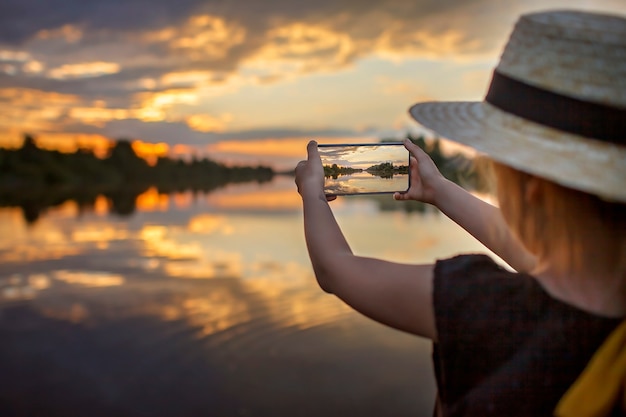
365 168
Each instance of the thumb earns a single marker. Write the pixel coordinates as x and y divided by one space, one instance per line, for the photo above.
312 152
415 149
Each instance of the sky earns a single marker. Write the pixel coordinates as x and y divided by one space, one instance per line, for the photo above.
246 81
364 156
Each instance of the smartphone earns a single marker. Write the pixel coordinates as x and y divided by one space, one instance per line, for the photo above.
365 168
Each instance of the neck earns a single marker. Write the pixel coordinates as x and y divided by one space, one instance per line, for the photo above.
596 291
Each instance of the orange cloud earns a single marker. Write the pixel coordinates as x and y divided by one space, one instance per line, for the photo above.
29 110
84 70
89 279
300 48
282 154
21 96
33 67
8 55
150 151
71 142
182 150
299 39
69 33
185 77
208 36
273 147
155 106
208 123
98 116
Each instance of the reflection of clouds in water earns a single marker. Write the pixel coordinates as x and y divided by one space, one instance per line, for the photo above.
186 258
217 311
32 251
281 295
45 241
152 232
341 185
365 183
260 307
286 288
159 244
39 281
101 235
209 224
286 199
152 200
255 281
288 274
18 287
206 268
292 296
52 238
74 313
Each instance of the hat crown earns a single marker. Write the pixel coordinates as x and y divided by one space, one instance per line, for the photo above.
576 54
556 106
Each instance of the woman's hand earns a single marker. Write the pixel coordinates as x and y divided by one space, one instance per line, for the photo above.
426 179
310 174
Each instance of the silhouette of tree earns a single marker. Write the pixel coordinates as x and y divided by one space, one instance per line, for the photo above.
35 179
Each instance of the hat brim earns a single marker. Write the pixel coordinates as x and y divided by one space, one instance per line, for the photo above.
573 161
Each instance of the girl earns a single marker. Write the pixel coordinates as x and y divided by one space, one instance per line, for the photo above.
553 123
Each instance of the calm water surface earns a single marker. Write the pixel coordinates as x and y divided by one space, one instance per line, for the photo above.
364 182
204 305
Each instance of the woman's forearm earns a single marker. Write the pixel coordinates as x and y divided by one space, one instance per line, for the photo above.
325 241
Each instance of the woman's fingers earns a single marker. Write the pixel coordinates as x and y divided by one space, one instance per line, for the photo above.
312 152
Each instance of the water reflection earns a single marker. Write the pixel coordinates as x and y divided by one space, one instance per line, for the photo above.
204 305
364 182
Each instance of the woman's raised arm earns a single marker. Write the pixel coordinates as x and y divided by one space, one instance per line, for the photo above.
398 295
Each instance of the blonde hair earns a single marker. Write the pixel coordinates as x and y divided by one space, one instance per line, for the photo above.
563 222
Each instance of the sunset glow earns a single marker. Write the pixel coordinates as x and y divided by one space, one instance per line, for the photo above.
244 84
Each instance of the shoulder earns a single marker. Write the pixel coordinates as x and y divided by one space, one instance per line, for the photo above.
474 296
479 277
467 265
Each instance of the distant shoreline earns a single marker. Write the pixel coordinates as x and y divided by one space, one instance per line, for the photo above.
36 179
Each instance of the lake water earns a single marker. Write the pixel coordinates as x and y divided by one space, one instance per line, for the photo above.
364 182
205 305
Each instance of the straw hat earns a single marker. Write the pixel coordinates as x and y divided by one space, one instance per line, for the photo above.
556 106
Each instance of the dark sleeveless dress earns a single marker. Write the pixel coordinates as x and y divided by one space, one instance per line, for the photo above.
505 346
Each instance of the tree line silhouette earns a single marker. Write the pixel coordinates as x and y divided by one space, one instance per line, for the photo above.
383 170
335 171
35 179
387 170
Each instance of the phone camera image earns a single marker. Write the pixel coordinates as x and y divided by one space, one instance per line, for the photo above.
373 168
